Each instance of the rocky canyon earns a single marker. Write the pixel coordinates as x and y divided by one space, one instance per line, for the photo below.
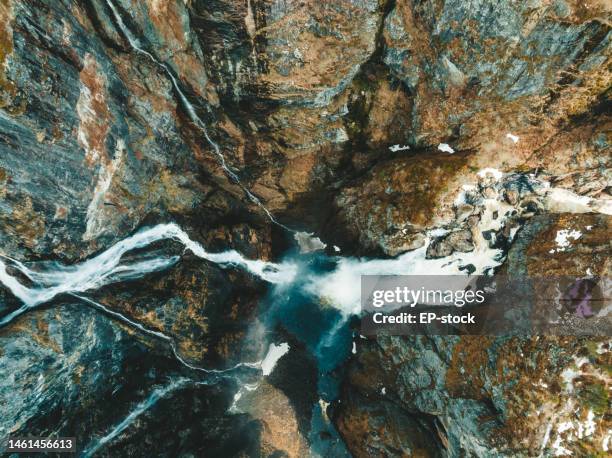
190 191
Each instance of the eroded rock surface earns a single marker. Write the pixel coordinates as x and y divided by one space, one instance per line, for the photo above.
486 395
332 114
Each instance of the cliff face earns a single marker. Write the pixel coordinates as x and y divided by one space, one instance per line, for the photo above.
304 99
117 114
486 395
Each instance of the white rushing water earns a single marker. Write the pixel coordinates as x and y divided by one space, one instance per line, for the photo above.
106 268
266 364
191 111
142 407
338 287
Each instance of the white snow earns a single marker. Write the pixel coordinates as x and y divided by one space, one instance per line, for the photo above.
570 373
383 391
466 190
512 137
601 348
561 200
275 352
354 350
336 248
563 238
559 450
395 148
308 243
564 426
589 424
445 148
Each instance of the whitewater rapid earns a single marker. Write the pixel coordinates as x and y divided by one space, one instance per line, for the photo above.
38 283
51 280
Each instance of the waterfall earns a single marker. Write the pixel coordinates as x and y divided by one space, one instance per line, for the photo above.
160 335
135 44
106 268
142 407
336 287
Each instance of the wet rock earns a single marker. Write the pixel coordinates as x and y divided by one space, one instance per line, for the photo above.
280 432
199 426
475 392
362 422
488 193
455 241
396 195
542 250
403 242
511 196
198 306
67 360
463 211
493 396
304 99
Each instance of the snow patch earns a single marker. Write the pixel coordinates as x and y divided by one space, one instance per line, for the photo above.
560 450
497 175
589 424
573 372
275 352
601 347
562 200
308 243
512 137
445 148
398 147
563 238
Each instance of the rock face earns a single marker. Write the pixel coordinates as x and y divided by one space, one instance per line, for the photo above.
485 395
304 97
475 396
478 75
235 118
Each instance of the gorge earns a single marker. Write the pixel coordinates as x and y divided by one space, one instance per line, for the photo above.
191 191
